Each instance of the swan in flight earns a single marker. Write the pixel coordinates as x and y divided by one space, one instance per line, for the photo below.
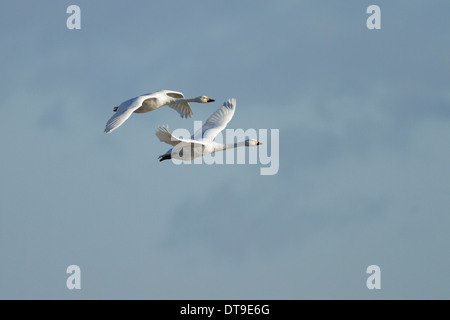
151 101
202 142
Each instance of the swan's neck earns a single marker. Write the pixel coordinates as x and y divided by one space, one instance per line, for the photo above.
230 146
186 100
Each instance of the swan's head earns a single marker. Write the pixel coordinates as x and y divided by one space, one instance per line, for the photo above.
204 99
252 143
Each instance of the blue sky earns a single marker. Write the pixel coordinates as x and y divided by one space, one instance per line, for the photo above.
364 122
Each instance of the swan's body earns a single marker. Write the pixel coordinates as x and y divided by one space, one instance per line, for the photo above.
152 101
202 142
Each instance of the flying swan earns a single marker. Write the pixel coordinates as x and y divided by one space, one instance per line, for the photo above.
151 101
202 142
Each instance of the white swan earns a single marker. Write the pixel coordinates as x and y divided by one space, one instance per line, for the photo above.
151 101
202 142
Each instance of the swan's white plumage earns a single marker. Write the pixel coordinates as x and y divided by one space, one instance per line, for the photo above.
216 122
202 142
123 112
164 135
152 101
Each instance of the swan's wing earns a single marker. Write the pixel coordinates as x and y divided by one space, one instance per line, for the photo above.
216 122
174 94
183 108
164 135
123 112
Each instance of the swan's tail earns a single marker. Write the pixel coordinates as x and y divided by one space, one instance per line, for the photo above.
166 156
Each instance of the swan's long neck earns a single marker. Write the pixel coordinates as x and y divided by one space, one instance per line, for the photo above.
186 100
221 147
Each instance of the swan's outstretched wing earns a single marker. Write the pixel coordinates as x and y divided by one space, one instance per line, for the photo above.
123 112
173 94
183 108
164 135
216 122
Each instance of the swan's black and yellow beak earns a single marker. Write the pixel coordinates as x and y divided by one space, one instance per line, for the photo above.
258 143
209 100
